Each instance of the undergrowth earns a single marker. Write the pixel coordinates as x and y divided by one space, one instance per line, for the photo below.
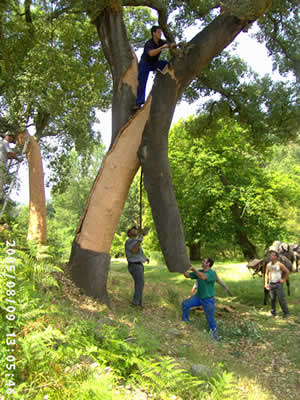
60 355
63 354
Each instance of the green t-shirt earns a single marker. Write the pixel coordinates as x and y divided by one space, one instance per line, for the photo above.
206 288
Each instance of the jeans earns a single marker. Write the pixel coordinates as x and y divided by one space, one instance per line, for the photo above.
208 306
276 290
137 272
144 69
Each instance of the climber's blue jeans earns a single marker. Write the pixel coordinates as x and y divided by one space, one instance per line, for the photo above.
144 69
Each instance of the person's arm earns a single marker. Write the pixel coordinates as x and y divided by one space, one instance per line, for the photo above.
267 285
218 280
154 52
200 275
285 271
194 289
136 247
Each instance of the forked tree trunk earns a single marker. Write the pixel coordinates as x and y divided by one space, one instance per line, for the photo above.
90 259
37 225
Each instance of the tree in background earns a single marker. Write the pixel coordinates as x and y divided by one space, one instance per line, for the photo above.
52 80
227 190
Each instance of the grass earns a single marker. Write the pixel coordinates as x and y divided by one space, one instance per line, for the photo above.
70 346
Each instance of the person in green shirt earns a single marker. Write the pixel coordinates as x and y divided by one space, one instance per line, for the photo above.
205 295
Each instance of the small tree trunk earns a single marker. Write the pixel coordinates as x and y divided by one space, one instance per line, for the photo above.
248 249
195 251
37 226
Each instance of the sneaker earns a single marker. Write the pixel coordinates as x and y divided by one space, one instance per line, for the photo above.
137 107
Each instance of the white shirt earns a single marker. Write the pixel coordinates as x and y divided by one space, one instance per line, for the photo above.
275 272
4 150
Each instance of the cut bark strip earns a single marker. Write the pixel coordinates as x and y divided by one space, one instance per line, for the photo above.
37 227
107 198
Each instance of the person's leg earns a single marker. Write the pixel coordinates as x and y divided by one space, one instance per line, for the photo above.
161 64
137 272
272 293
2 181
281 299
209 309
187 304
144 70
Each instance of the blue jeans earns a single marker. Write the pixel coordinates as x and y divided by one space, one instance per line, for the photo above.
137 272
144 69
208 306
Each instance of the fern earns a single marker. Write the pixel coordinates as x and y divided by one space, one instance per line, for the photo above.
223 386
165 376
39 348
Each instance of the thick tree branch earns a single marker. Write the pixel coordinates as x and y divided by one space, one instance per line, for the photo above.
207 44
4 48
123 64
28 12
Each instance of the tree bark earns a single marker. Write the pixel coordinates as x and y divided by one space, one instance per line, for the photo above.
123 64
37 226
195 251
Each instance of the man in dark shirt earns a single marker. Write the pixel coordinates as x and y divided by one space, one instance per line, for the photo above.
150 62
136 257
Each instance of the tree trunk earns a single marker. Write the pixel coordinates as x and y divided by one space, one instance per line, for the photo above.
195 251
37 226
153 153
90 258
90 252
248 249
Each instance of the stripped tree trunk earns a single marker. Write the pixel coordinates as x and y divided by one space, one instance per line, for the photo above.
90 259
37 226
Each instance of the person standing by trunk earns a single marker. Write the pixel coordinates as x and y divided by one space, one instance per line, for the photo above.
5 154
275 276
136 257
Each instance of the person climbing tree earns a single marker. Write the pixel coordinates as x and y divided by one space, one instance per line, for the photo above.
136 257
150 61
5 154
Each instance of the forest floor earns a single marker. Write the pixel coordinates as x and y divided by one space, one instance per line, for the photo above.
262 352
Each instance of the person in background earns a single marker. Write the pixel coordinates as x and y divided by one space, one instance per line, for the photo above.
5 154
275 276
